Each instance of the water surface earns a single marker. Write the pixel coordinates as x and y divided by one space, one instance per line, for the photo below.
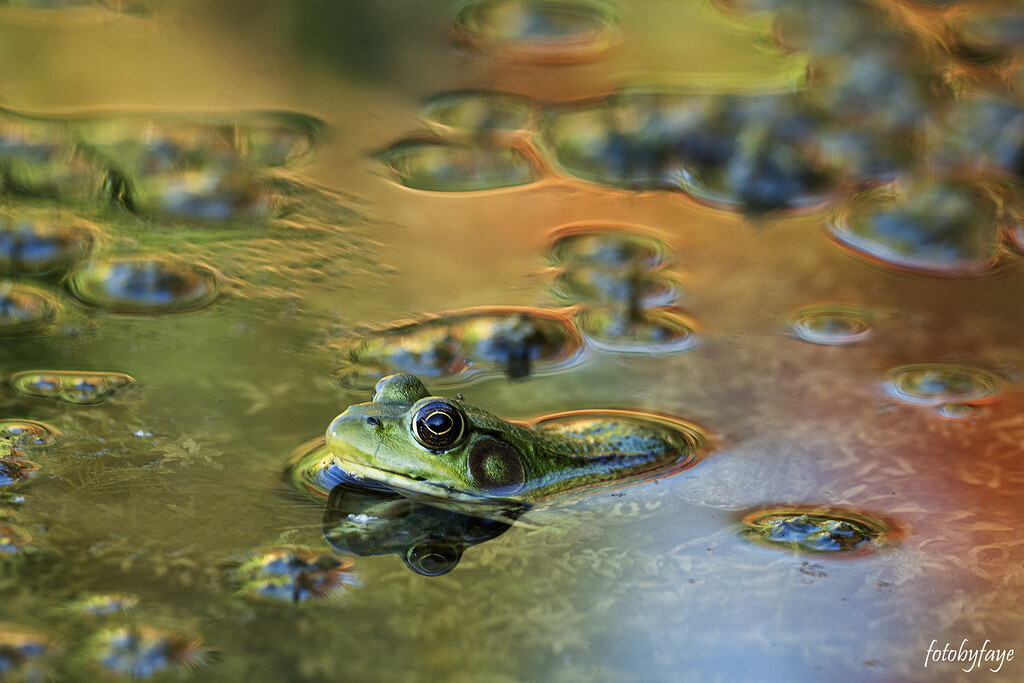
164 490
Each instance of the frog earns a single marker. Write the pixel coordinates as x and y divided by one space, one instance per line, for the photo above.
440 449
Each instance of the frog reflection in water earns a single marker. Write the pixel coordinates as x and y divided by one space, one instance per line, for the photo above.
371 521
441 450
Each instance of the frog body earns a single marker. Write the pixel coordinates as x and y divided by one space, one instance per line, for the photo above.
442 450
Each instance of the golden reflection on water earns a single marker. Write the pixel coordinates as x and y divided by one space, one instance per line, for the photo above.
151 494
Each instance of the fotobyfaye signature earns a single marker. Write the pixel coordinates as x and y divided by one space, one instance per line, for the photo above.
965 654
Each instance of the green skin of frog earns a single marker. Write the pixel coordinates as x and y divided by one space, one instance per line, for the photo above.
443 450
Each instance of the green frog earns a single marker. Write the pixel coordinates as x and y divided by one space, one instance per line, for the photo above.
440 449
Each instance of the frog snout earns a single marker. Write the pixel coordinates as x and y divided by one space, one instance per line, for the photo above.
344 423
359 420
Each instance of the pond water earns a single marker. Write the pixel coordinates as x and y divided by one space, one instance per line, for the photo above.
222 222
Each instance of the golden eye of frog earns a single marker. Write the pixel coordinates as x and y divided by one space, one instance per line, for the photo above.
444 450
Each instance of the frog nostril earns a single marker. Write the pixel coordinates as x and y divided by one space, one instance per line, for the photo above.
374 421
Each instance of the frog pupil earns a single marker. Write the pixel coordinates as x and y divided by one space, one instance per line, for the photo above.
438 423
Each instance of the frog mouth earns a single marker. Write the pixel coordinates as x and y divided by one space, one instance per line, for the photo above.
432 493
401 481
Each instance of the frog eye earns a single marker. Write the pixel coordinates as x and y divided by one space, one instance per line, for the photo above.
432 558
439 426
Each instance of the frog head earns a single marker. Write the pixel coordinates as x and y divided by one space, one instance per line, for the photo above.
430 445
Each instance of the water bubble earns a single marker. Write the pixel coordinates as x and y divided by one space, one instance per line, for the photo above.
749 6
103 605
934 4
515 340
293 576
832 325
16 470
1014 237
49 4
22 652
25 309
584 141
987 32
656 330
145 285
600 285
77 9
209 194
438 166
813 530
12 540
180 170
837 28
15 436
984 133
1012 77
749 152
26 433
641 139
274 139
610 246
76 388
765 173
940 228
37 244
138 146
38 158
481 114
144 652
427 350
611 265
959 411
939 384
538 30
859 155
